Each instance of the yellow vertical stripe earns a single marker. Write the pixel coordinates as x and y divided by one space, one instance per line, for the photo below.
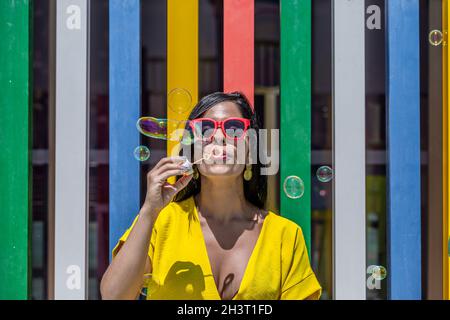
445 149
182 63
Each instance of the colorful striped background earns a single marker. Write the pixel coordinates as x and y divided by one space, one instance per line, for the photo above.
348 55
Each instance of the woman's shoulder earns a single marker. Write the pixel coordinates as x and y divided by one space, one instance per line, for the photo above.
286 235
283 226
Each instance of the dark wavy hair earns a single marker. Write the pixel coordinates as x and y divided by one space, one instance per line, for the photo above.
255 190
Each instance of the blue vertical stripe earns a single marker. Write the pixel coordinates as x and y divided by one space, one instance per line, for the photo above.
403 116
124 109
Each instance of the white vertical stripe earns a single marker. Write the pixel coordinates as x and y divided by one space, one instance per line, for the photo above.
71 135
349 245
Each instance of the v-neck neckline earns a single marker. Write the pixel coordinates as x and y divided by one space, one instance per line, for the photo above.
250 260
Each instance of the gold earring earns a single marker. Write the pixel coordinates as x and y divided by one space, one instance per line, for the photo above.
248 172
195 174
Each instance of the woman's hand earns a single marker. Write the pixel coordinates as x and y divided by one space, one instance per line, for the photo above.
159 191
124 277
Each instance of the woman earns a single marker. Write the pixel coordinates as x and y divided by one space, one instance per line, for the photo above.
207 236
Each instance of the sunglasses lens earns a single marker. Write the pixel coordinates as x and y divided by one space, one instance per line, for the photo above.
204 129
234 128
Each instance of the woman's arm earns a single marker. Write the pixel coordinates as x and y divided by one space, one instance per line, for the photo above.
125 275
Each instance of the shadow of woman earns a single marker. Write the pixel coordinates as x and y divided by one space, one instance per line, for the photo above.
184 281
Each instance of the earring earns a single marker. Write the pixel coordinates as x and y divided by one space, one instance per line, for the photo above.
248 172
195 174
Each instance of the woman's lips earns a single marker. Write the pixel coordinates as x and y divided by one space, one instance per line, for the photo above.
219 155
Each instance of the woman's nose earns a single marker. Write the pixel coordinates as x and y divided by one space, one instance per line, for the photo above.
219 137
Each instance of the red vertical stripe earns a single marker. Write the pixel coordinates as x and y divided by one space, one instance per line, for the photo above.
238 35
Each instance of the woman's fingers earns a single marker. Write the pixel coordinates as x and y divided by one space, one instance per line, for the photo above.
182 182
167 160
177 186
169 167
166 167
164 176
159 174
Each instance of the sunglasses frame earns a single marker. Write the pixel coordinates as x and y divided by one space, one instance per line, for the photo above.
217 125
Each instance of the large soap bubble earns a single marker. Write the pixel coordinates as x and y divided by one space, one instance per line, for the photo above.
179 100
293 187
158 128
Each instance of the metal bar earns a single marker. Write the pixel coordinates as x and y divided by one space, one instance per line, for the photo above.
349 163
445 147
71 148
15 143
50 157
295 113
238 46
124 111
403 143
182 64
435 179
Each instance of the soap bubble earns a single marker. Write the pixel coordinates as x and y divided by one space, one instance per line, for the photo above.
187 138
152 127
179 100
293 187
142 153
379 272
324 174
158 129
435 37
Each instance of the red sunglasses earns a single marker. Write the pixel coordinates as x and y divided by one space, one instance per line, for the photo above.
232 128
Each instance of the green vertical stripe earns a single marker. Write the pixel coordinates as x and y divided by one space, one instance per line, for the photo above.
15 142
295 123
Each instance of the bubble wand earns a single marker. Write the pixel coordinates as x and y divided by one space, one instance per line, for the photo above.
187 165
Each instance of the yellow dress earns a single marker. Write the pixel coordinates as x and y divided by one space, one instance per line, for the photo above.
278 267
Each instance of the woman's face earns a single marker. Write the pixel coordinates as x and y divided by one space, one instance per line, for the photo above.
223 152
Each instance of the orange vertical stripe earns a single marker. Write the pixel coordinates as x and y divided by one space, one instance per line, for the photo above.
238 46
182 67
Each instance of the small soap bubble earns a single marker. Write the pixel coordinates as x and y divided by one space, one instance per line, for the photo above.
141 153
379 273
435 37
179 100
324 174
293 187
188 138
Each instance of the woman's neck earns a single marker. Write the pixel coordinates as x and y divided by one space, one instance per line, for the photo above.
223 200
